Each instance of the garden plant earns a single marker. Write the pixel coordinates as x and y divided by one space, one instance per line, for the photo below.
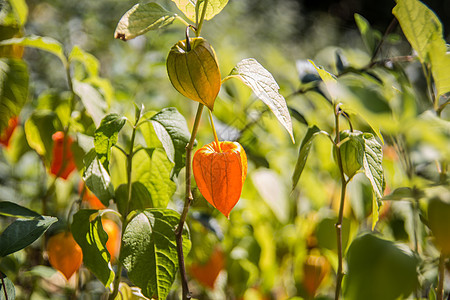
197 173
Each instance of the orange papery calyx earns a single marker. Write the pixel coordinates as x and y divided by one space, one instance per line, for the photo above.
220 170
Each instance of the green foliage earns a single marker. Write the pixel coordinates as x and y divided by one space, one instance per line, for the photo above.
149 250
106 136
88 232
13 89
262 83
97 178
10 290
378 269
22 232
193 9
142 18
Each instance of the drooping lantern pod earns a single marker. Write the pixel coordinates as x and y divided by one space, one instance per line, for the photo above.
193 70
220 174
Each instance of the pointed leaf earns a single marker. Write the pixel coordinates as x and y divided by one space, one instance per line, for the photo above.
106 136
152 168
89 61
171 129
140 197
366 32
142 18
12 209
372 164
189 8
92 100
303 154
97 178
43 43
39 128
23 232
91 237
266 88
420 25
13 89
149 251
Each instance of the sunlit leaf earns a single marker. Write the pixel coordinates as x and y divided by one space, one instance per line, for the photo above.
149 251
379 269
89 61
39 128
372 164
20 10
92 100
91 237
42 43
189 8
366 32
97 178
106 136
266 88
440 64
305 147
142 18
171 129
13 89
152 168
23 232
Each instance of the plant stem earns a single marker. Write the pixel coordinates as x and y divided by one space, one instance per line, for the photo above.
440 288
4 286
129 156
202 18
187 203
214 131
390 28
338 225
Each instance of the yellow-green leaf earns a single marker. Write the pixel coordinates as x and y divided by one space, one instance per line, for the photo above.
188 7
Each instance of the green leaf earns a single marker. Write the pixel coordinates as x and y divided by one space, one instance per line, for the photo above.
440 64
189 8
10 290
92 100
379 269
91 237
20 10
152 168
420 25
23 232
142 18
171 129
303 154
326 233
372 164
43 43
89 61
12 209
13 89
39 128
329 80
149 251
266 88
403 193
140 197
97 178
366 32
106 136
424 32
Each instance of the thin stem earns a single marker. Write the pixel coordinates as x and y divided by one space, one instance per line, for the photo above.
390 28
187 203
4 286
214 131
202 19
129 156
338 225
440 288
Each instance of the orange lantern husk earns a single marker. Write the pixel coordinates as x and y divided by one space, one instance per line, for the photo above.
220 174
57 160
